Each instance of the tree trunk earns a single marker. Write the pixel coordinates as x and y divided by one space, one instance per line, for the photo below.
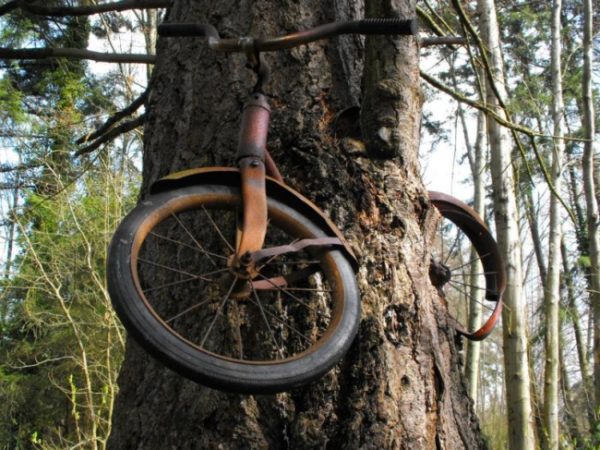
569 413
400 385
9 244
582 353
532 218
477 163
590 193
514 317
552 287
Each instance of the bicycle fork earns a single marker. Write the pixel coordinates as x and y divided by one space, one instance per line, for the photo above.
250 158
255 162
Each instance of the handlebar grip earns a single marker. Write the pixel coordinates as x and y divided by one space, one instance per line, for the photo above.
187 29
407 27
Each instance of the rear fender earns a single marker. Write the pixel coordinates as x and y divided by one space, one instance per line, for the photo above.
231 177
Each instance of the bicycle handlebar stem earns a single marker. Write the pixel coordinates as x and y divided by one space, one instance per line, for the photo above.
405 27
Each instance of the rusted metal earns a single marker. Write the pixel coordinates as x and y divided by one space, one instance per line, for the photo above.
275 283
469 222
439 273
295 247
365 26
392 26
467 219
250 156
272 169
254 201
220 201
254 128
230 176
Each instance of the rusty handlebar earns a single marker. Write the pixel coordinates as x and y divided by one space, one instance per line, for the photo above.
404 27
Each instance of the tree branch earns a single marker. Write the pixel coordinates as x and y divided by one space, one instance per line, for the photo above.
75 53
114 119
5 168
112 134
492 84
444 40
459 96
8 7
85 10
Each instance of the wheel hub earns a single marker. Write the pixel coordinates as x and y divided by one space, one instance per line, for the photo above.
439 273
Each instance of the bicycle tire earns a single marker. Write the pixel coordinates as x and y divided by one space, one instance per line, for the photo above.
147 313
493 278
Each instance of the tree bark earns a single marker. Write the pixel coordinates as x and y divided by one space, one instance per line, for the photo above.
590 191
477 161
514 316
582 352
552 286
400 385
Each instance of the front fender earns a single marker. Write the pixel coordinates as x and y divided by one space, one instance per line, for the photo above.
231 177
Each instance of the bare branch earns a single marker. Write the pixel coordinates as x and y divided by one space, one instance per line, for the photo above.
492 84
445 40
75 53
112 134
12 186
4 168
114 119
461 97
85 10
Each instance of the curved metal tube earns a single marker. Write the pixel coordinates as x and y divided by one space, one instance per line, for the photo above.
467 219
404 27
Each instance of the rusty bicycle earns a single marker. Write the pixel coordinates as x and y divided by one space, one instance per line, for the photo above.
235 280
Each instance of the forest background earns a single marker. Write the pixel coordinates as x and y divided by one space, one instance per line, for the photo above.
70 168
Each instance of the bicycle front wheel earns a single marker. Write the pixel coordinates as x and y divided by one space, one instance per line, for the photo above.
171 286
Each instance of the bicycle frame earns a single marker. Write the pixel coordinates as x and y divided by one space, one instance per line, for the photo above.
257 175
252 158
258 172
299 289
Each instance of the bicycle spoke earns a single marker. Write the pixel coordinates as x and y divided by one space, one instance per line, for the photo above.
285 324
183 244
470 262
191 236
174 283
470 299
279 288
473 286
187 310
262 312
218 313
162 266
465 274
451 249
217 229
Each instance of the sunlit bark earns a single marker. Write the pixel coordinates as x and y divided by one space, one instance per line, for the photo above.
552 287
514 317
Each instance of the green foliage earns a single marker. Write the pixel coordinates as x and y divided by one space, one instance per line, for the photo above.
10 103
584 262
61 344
